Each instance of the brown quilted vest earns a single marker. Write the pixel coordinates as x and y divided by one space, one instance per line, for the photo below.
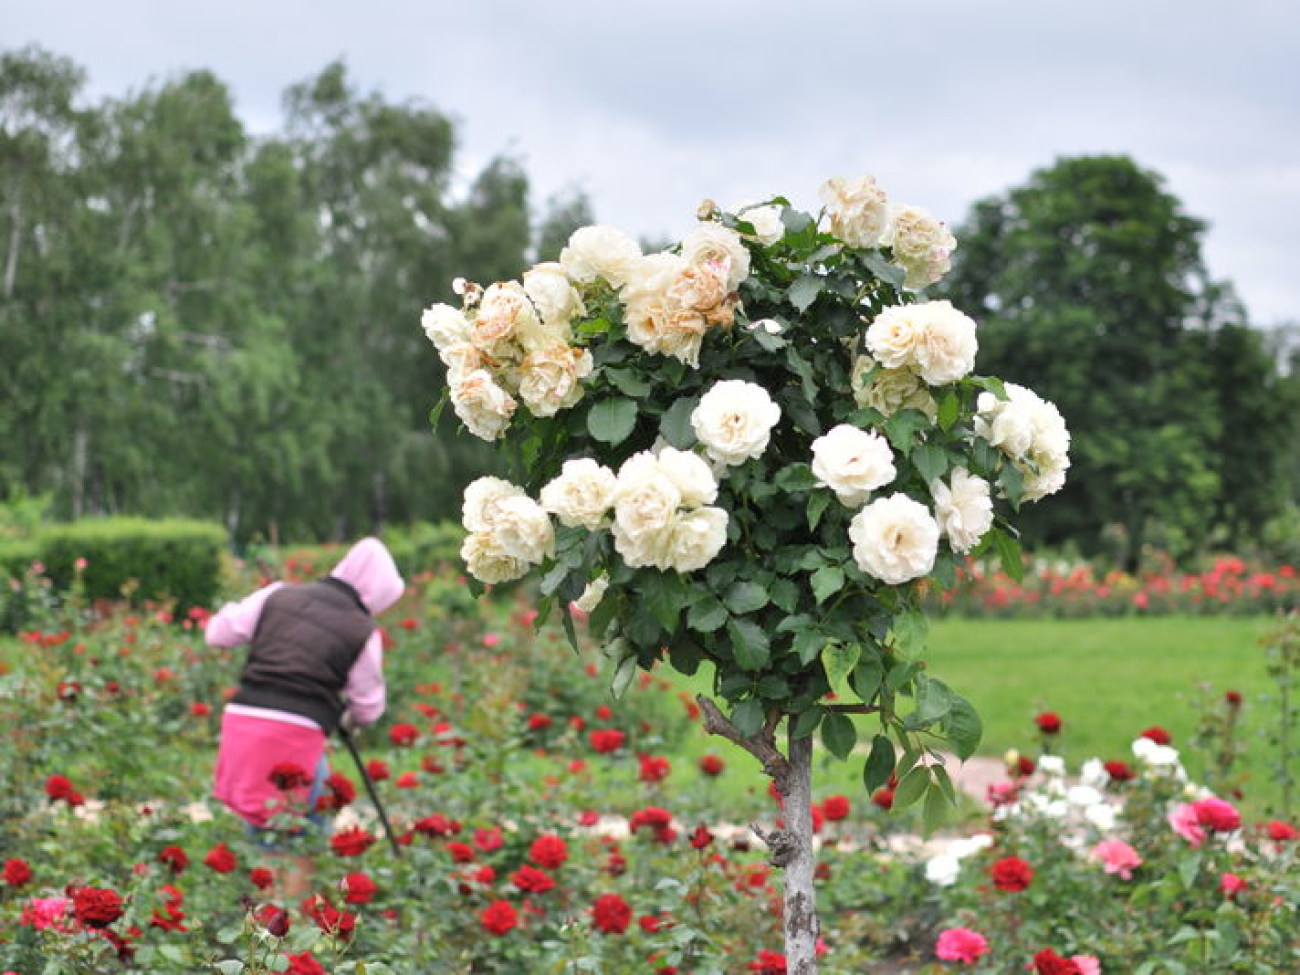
307 639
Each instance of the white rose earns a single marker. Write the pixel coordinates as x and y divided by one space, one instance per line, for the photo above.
734 421
1082 795
650 548
890 390
592 594
942 870
701 287
711 241
523 529
550 378
1093 772
921 243
690 474
857 210
645 500
766 221
478 509
1102 816
963 508
553 295
502 315
852 463
1031 432
445 326
488 562
932 337
1051 765
965 846
600 251
894 539
582 494
655 317
483 406
652 273
697 537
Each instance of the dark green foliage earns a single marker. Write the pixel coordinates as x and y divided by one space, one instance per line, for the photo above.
155 560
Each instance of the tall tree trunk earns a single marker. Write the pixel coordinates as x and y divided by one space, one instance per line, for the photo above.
79 447
801 926
15 244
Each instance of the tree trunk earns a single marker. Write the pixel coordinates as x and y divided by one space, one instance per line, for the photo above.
15 242
79 448
801 927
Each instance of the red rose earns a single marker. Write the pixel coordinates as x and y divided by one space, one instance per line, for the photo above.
836 808
1049 722
488 839
884 798
606 740
712 765
403 735
604 713
1280 832
377 770
653 768
539 722
68 691
351 842
303 964
1012 873
499 917
96 907
174 858
1048 962
437 825
1217 815
59 787
274 919
1118 771
17 873
407 780
768 963
460 852
532 880
1231 885
341 791
261 877
340 924
701 837
1158 735
221 859
1233 699
358 888
288 775
610 914
548 851
199 709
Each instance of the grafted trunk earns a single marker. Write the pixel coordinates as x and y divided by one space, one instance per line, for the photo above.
801 925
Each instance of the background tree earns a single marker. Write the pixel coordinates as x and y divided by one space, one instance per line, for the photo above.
1090 286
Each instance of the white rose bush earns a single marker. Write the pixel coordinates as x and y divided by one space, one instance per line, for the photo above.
753 451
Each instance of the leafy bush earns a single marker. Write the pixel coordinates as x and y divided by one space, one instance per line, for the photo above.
424 546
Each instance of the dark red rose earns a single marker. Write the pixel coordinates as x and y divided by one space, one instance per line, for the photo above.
358 888
835 808
1233 699
712 765
606 740
460 852
221 859
654 768
1158 735
403 735
532 880
884 798
303 963
174 858
768 963
17 872
351 842
377 770
96 907
1217 815
59 787
499 917
1048 962
1012 873
340 792
261 877
548 851
1119 771
701 837
610 914
1049 722
288 775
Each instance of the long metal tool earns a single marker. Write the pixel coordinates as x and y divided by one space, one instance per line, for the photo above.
370 788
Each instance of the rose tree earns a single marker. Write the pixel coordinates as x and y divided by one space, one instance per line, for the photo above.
754 449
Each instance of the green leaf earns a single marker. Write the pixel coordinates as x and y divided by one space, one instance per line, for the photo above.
628 383
838 734
623 675
785 594
936 810
807 722
818 502
231 966
902 427
875 262
839 659
933 702
611 421
867 676
944 781
804 291
749 644
675 424
911 630
745 597
826 582
931 461
795 477
912 786
748 717
900 673
1009 552
880 763
685 655
963 728
1012 482
707 615
808 645
1188 868
665 596
949 409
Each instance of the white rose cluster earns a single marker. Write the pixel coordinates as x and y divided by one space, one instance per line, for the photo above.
734 421
1031 432
509 532
963 507
895 539
663 514
857 209
931 338
672 300
852 462
890 390
509 343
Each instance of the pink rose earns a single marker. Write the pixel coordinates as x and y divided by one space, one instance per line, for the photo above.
1117 857
1187 824
961 944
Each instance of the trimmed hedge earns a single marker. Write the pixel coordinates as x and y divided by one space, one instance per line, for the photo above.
17 555
137 558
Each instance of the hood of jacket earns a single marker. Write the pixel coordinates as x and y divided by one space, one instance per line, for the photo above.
370 570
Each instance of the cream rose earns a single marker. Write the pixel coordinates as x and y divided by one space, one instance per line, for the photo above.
550 378
483 406
734 421
857 210
1031 432
600 251
766 221
963 508
488 562
523 529
711 241
645 500
932 337
479 504
445 326
553 295
592 594
504 313
895 539
852 463
582 494
697 537
921 243
890 390
690 474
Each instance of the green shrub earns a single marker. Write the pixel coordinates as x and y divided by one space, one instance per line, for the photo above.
179 560
425 546
16 554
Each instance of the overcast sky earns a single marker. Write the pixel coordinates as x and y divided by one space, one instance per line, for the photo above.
651 107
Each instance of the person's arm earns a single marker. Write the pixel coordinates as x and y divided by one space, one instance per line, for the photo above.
235 623
365 689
